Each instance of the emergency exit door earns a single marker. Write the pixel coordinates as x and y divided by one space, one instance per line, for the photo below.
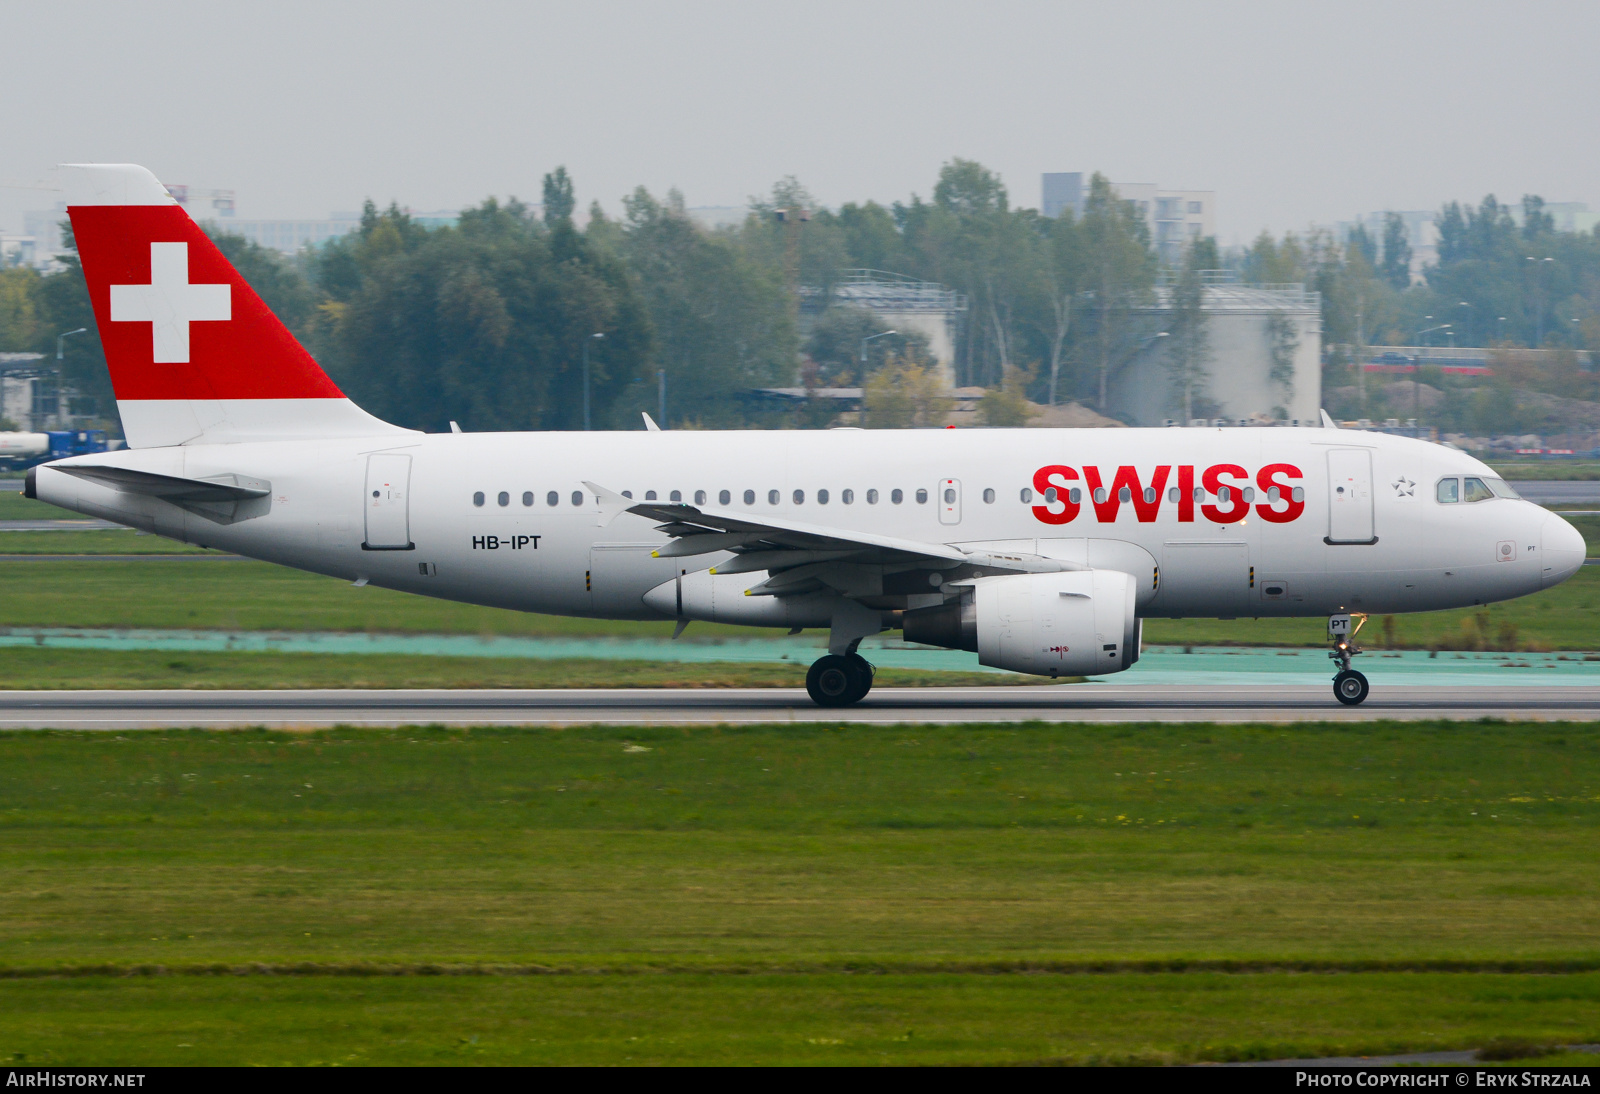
949 501
387 503
1350 496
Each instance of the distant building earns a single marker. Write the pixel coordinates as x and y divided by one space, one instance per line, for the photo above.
32 396
901 303
1250 329
1176 217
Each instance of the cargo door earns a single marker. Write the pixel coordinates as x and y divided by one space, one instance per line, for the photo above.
388 503
1350 496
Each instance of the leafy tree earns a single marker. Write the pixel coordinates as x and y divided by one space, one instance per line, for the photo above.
1120 274
484 323
19 312
1396 266
839 336
1188 349
1007 406
722 318
905 395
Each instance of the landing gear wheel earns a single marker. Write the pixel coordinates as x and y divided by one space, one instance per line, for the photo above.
1350 687
834 681
864 673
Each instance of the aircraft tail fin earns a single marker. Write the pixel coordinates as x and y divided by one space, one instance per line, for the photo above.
195 356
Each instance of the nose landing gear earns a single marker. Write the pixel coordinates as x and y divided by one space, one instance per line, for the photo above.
1349 686
839 680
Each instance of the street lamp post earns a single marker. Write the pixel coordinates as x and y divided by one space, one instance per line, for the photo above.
1472 313
864 341
62 338
586 343
1540 287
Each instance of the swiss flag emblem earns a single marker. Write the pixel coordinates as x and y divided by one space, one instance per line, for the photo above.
170 303
176 319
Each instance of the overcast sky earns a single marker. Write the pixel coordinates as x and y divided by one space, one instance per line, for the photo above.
1292 112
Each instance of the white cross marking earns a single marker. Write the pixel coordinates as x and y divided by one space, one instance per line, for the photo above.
169 303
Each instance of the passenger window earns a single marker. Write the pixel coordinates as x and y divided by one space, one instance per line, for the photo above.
897 496
1149 494
1299 493
699 497
847 496
1049 495
1272 495
988 497
1172 494
1199 493
477 498
1224 495
799 497
772 497
1075 495
1448 491
1475 490
676 495
1027 496
922 497
649 495
527 496
1100 494
724 498
1249 494
949 496
552 498
1125 495
872 497
749 497
822 497
504 498
626 493
577 497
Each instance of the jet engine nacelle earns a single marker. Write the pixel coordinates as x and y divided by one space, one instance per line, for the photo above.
1064 624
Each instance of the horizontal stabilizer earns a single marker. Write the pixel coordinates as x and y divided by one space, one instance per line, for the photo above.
173 488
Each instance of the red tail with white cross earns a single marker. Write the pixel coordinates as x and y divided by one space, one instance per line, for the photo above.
195 355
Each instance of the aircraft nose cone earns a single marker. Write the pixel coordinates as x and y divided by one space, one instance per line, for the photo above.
1563 548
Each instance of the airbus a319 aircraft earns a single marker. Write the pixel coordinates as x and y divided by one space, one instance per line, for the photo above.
1041 550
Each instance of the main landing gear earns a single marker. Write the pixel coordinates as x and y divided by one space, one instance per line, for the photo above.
838 680
1349 686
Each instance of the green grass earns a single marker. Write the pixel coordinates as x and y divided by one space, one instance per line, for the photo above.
243 595
836 1019
13 506
816 894
33 668
118 541
1546 470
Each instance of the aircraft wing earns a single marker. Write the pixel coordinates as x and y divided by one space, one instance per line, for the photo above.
799 556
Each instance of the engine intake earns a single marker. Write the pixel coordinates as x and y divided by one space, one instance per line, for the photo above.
1064 624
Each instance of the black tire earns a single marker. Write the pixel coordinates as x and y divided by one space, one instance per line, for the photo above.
1350 687
864 673
833 682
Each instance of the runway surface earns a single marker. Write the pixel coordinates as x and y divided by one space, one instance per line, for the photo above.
1089 703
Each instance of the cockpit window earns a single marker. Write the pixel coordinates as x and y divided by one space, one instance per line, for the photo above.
1448 491
1475 490
1502 488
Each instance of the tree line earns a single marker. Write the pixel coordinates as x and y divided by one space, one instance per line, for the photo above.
494 321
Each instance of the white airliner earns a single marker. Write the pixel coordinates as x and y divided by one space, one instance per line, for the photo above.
1041 550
